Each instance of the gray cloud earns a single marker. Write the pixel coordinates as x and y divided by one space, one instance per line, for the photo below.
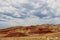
32 12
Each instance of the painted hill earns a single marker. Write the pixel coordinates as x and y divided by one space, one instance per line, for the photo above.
21 31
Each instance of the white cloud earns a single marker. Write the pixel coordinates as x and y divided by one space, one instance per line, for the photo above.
14 10
55 4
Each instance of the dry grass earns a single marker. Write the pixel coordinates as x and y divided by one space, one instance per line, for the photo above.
53 36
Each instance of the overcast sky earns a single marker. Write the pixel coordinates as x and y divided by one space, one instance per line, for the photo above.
29 12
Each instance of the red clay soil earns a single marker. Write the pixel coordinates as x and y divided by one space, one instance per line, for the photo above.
12 32
17 34
3 31
41 31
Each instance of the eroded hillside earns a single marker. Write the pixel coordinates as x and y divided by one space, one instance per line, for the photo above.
22 31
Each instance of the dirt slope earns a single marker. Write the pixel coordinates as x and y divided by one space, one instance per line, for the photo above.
21 31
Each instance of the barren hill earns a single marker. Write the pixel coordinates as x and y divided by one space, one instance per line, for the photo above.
21 31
